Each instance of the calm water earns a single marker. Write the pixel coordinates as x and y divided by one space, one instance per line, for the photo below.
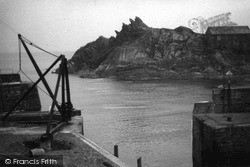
151 120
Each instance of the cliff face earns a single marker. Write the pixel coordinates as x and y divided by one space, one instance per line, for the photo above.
89 56
139 52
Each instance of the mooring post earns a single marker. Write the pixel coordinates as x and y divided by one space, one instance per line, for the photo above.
116 151
139 162
82 126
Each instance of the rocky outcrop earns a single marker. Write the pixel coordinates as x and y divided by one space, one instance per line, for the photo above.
90 56
139 52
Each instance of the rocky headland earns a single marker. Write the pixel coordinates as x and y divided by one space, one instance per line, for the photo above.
139 52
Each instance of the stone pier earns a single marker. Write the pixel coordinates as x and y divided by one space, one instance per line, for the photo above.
220 137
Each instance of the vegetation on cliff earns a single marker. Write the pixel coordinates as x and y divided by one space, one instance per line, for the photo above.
139 52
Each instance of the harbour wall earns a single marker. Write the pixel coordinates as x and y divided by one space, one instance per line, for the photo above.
221 133
12 89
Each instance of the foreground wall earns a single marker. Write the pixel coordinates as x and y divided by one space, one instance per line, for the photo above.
221 137
11 92
219 140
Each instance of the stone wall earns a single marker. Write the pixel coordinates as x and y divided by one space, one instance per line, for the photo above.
240 100
222 137
6 78
229 41
216 143
202 142
10 93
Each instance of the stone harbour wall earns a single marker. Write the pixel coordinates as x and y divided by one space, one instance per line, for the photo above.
239 100
221 137
217 144
12 92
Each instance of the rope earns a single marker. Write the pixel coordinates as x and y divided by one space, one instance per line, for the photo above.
27 41
12 29
37 85
19 48
36 46
20 69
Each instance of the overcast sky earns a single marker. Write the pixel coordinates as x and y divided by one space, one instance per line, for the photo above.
66 25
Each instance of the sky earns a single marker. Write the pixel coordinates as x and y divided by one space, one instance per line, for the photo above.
66 25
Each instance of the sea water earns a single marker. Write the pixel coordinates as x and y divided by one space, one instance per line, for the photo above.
151 120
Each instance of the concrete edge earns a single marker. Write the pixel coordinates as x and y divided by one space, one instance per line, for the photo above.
105 153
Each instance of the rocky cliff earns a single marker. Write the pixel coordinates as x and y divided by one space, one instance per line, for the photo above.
139 52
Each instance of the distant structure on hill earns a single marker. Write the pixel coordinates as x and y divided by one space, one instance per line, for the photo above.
229 37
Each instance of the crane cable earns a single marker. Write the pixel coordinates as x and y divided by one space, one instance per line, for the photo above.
20 53
36 85
36 46
20 64
25 39
6 24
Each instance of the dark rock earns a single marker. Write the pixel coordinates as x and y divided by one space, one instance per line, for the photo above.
90 56
182 29
139 52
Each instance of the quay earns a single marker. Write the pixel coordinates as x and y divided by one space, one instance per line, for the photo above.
17 139
221 129
22 132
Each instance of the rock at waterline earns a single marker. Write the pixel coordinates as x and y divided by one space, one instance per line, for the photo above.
139 52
